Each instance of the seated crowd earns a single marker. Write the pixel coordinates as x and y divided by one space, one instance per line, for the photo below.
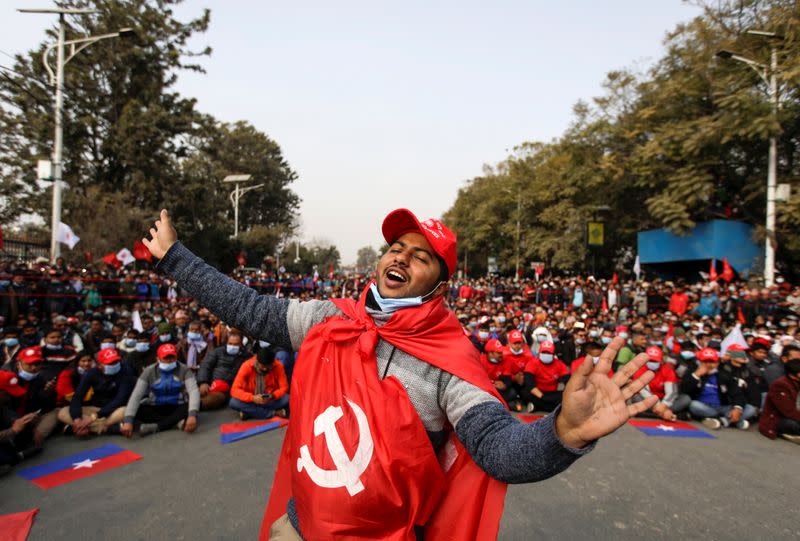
145 363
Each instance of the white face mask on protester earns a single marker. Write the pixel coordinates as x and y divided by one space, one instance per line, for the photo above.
546 358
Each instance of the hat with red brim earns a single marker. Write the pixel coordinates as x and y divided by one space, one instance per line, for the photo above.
443 241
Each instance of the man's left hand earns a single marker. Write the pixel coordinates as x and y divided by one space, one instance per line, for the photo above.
594 405
190 425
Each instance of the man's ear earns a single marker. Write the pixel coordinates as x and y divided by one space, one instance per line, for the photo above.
441 289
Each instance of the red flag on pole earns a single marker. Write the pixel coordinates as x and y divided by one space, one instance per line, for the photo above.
330 271
614 279
740 316
241 259
15 527
140 251
605 305
88 255
727 271
111 259
712 271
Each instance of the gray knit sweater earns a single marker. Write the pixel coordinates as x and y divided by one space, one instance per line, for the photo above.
508 450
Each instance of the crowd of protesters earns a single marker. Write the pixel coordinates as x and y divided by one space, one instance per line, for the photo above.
123 352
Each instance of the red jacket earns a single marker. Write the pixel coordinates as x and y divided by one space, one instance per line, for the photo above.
679 303
245 383
781 402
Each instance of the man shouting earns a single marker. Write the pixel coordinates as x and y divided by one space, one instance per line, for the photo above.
396 431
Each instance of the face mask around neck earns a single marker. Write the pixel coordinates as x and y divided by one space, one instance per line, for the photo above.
390 306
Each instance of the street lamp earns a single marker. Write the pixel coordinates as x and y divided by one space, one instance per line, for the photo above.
57 80
768 74
236 194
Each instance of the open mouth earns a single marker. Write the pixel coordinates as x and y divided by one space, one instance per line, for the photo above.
394 277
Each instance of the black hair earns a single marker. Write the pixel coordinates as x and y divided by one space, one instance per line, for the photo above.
792 367
444 273
266 355
788 349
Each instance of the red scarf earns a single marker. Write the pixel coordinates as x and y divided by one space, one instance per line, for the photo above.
453 498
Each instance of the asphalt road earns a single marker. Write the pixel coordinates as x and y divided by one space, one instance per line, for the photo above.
738 486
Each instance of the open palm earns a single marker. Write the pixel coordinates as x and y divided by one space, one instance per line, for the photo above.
594 404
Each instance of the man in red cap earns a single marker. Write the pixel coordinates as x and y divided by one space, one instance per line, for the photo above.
664 386
165 396
544 379
111 383
494 366
383 383
516 356
11 425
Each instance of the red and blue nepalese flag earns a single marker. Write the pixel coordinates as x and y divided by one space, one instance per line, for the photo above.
669 429
77 466
231 432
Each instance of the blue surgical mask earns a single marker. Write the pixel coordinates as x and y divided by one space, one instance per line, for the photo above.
142 346
687 355
194 336
106 345
594 334
165 337
232 350
130 342
546 358
595 360
52 346
390 306
11 342
653 365
167 367
27 376
605 339
263 344
501 319
81 370
483 335
111 369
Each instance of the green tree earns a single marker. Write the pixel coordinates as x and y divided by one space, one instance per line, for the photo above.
366 259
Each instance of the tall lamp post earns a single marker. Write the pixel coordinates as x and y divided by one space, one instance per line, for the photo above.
768 74
236 194
57 80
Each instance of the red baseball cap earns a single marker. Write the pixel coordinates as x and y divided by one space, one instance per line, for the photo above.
737 347
30 355
493 345
108 356
10 384
515 336
439 236
655 353
547 347
708 355
166 350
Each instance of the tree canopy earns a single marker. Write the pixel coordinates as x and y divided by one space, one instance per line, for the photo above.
682 143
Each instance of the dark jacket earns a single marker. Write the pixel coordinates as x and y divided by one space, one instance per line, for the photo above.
110 392
219 365
781 402
732 383
35 397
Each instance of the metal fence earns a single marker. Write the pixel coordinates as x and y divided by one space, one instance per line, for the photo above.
22 249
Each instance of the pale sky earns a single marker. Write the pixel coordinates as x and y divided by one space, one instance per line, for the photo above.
379 106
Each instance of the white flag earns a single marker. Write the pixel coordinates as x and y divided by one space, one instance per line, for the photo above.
734 337
125 256
637 268
65 234
136 321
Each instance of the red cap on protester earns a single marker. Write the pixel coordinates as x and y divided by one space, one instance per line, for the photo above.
515 337
493 345
166 350
655 353
708 355
108 356
737 347
763 342
547 347
10 384
442 240
30 355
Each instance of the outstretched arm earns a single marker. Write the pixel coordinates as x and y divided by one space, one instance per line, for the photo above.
262 316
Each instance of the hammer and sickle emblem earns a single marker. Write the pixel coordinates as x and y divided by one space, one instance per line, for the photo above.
348 471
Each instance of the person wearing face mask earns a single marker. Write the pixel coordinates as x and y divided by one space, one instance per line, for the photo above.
11 425
56 356
110 383
591 352
143 354
165 334
397 364
218 370
664 386
493 364
69 379
635 346
193 347
781 415
40 397
716 398
516 356
93 337
481 336
10 346
260 390
545 377
127 343
165 396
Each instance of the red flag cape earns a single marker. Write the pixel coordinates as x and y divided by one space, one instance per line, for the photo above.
468 503
712 271
614 279
111 259
15 527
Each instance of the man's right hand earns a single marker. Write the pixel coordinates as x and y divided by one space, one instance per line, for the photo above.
258 399
204 389
19 424
126 429
163 236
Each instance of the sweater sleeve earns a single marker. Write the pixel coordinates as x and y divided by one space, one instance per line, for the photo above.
512 451
261 316
76 403
136 398
238 389
123 392
194 394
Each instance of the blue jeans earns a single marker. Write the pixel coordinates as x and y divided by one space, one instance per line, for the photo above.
259 412
703 410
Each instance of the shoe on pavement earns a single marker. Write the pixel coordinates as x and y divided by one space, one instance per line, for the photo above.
530 407
181 424
281 413
712 423
243 416
794 438
148 428
743 424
